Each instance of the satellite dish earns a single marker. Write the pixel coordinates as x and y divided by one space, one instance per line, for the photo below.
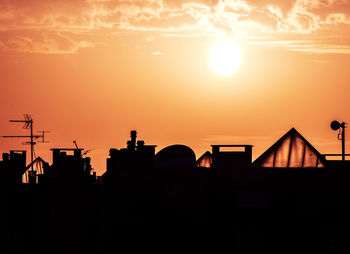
335 125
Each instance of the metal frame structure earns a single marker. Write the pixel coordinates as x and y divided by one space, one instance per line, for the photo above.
28 124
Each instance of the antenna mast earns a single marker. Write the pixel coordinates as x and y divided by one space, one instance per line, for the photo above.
335 125
28 124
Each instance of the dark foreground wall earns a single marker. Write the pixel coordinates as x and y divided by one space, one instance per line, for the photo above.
177 210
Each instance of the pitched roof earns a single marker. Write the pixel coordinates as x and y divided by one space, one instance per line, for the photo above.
205 160
291 151
37 160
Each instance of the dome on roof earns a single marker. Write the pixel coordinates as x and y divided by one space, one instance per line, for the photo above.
175 156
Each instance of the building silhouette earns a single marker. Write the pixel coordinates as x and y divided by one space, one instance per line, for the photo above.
12 167
290 198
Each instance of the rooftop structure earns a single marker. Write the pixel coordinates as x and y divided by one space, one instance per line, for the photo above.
291 151
228 156
12 167
69 166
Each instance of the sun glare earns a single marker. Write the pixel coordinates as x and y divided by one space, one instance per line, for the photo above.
225 58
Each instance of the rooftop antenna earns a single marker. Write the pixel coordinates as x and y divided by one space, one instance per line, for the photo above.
335 125
43 136
86 151
28 124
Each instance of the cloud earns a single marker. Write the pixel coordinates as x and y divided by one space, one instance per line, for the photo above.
337 18
150 38
157 53
239 19
48 43
229 138
305 46
322 49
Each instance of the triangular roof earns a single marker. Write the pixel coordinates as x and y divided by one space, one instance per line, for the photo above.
37 160
291 151
205 160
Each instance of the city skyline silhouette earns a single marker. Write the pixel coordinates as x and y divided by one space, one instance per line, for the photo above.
151 201
172 125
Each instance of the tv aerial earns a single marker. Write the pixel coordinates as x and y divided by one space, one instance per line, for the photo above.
28 124
85 151
335 125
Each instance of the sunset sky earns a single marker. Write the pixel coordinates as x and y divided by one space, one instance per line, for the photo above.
92 70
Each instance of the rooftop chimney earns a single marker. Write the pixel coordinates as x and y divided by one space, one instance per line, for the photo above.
132 143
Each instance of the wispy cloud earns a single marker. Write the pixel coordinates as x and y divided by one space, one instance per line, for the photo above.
322 48
305 46
157 53
238 19
49 43
230 138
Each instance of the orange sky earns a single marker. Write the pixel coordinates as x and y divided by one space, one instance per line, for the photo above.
93 70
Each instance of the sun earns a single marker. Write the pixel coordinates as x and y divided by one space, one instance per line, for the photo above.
225 58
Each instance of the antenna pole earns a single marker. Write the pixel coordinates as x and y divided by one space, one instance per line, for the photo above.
31 144
343 142
335 125
28 124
